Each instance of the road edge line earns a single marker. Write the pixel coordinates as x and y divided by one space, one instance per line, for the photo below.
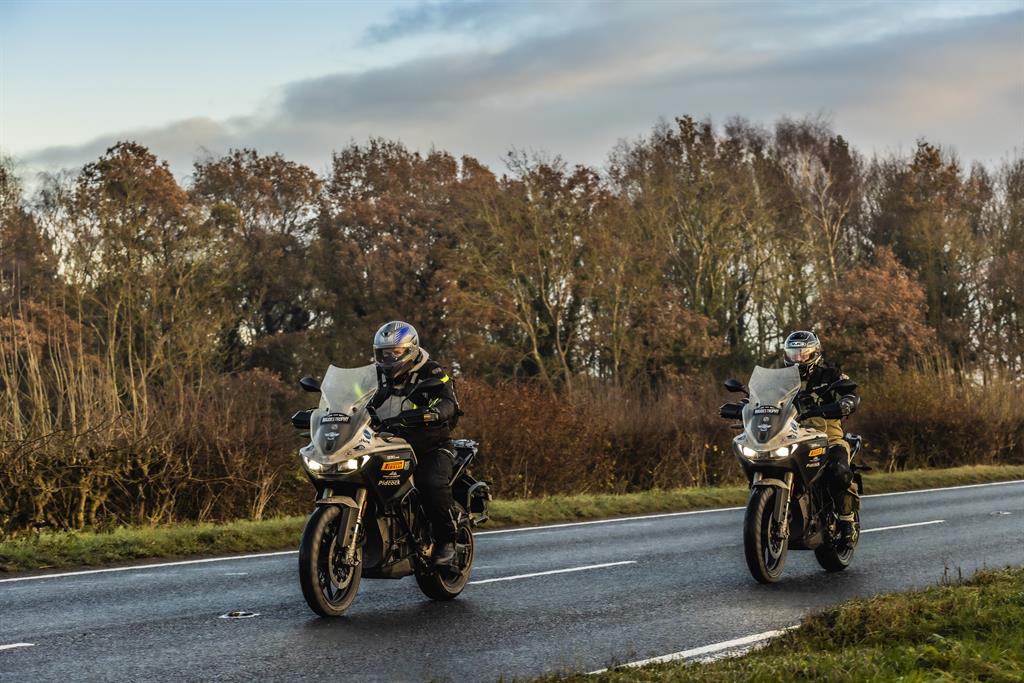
702 650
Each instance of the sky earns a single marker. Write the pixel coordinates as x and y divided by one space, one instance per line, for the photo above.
193 79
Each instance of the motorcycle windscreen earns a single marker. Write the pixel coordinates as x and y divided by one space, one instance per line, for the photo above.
772 392
344 393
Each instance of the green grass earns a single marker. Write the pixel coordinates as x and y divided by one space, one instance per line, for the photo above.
970 631
49 550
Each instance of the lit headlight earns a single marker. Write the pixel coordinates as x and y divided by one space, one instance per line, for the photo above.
353 464
749 452
312 465
782 452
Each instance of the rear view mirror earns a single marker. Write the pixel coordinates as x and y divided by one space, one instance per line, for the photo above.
300 420
735 386
309 384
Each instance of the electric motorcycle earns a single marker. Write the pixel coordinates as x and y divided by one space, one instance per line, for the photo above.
368 521
789 507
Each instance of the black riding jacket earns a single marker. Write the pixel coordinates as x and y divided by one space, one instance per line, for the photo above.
815 394
430 411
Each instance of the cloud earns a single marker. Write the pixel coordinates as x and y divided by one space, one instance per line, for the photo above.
177 143
450 16
957 80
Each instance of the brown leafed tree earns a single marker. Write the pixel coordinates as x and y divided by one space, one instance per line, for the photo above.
264 209
383 245
525 260
875 318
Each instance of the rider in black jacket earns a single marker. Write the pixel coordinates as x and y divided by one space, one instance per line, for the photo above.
430 408
823 405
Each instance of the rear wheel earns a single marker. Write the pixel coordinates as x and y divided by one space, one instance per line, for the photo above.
445 583
836 559
763 545
329 583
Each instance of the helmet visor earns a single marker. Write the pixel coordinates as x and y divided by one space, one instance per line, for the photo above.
393 355
800 354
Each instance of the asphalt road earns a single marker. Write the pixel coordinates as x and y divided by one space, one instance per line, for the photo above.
669 583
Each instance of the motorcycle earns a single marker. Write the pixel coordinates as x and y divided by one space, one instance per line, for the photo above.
789 507
368 521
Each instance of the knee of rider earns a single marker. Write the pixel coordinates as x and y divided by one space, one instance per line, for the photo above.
835 445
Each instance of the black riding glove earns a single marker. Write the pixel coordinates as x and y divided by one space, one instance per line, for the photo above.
418 417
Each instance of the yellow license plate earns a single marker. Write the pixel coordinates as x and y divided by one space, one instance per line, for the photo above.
393 465
816 452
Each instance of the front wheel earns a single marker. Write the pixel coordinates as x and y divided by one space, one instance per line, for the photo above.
445 583
329 581
836 559
763 544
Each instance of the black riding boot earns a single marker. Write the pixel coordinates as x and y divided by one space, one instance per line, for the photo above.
848 530
443 555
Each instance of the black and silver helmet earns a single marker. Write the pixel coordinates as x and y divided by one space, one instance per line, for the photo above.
802 349
396 346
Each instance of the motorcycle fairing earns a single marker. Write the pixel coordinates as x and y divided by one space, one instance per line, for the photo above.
769 418
339 427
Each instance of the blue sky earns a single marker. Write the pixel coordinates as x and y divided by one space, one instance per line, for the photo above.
573 77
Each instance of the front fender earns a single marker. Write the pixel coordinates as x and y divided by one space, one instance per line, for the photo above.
344 501
778 483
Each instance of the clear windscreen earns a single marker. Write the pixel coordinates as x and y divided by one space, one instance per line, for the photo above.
774 385
344 393
771 398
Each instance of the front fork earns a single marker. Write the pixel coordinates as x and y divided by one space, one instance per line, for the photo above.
780 515
351 523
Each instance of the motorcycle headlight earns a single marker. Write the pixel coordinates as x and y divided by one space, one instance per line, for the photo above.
312 465
749 452
782 452
353 464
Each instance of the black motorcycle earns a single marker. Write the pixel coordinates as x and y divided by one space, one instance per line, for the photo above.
788 507
368 520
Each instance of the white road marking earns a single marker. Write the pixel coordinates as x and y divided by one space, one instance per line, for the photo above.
703 650
614 520
140 567
945 488
903 526
15 645
661 515
552 571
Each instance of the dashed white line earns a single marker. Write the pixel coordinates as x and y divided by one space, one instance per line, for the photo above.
704 649
615 520
140 567
903 526
945 488
552 571
16 645
661 515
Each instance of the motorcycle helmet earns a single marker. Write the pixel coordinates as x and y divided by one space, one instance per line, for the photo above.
802 349
396 346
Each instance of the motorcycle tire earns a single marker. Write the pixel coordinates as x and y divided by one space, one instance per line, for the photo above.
328 585
445 583
765 557
833 559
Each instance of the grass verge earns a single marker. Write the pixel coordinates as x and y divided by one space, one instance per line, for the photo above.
49 550
969 631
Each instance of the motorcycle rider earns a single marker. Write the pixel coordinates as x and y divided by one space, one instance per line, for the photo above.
823 407
402 367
